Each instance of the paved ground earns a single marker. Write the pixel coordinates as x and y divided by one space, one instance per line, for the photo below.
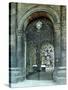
40 76
33 83
36 79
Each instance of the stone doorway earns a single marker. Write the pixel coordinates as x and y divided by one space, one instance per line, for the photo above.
39 49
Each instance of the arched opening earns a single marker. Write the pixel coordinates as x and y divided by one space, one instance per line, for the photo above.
39 47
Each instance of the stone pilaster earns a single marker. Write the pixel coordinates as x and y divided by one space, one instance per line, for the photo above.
63 38
57 43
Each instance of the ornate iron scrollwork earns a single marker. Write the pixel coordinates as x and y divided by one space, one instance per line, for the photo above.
47 55
39 25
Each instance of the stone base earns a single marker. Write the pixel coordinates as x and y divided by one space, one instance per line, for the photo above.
59 75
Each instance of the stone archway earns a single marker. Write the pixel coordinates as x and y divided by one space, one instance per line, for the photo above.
20 16
25 20
51 13
39 31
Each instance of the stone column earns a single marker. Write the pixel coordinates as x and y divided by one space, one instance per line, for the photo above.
63 37
21 55
60 72
12 42
16 42
57 44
